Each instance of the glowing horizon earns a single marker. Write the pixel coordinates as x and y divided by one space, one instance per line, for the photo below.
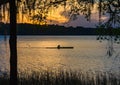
55 17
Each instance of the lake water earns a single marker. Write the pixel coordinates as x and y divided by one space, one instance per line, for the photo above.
88 54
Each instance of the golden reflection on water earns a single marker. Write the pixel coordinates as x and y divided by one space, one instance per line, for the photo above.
86 55
34 57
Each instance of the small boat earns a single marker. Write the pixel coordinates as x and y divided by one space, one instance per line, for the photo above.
59 47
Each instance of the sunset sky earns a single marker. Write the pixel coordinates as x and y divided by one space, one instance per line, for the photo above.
55 17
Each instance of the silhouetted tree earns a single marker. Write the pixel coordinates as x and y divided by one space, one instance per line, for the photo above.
13 43
111 8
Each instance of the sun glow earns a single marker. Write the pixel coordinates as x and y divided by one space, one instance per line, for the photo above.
54 16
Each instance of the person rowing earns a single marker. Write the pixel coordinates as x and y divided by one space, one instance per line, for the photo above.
58 46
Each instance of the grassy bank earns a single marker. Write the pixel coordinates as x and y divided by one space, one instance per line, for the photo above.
65 78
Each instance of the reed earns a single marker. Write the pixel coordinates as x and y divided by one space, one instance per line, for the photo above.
4 81
65 78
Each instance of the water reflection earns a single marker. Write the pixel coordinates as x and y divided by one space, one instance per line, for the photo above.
4 56
110 48
40 59
112 44
88 54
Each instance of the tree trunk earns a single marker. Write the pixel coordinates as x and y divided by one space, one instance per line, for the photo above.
13 44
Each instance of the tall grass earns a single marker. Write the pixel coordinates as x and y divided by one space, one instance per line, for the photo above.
4 81
70 77
65 78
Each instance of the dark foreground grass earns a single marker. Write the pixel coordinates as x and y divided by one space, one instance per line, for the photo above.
4 81
65 78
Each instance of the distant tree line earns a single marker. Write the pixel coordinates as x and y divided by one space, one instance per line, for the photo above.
30 29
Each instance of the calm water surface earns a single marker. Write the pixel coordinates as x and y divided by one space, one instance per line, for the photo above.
88 54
